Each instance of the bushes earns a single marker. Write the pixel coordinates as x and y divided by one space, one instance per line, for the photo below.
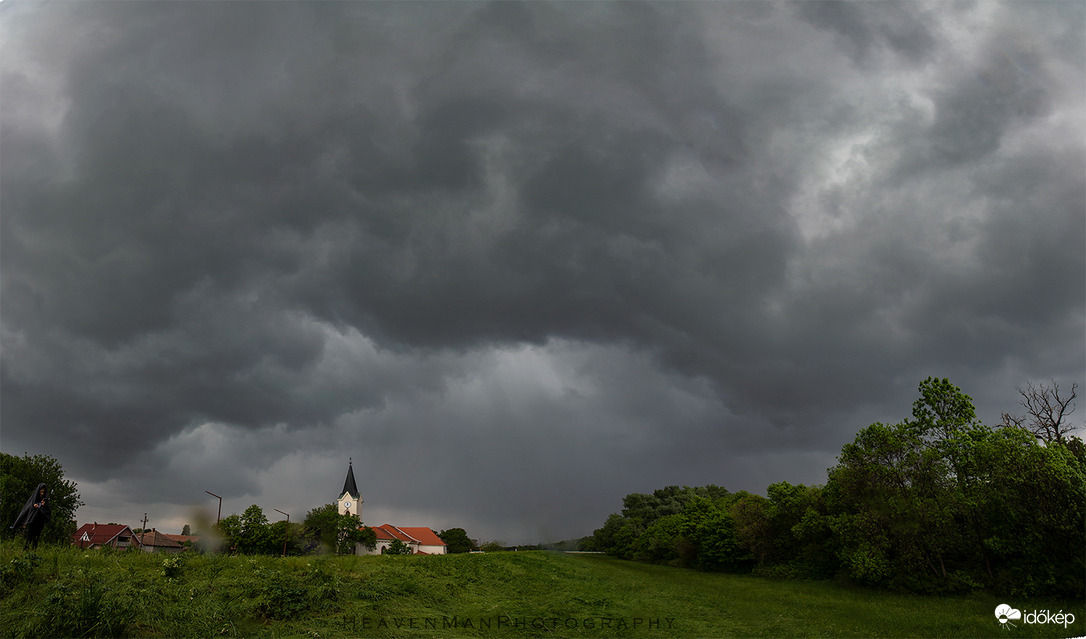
76 603
279 594
18 571
938 503
68 592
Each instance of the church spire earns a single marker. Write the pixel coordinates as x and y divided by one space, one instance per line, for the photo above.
349 486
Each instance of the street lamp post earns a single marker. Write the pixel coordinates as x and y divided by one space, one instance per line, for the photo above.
285 530
219 515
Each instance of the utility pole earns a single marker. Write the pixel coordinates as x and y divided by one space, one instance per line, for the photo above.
286 530
144 533
218 516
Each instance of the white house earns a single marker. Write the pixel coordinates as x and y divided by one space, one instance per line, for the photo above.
101 535
420 540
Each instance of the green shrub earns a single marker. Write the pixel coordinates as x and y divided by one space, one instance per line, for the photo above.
81 604
171 567
20 570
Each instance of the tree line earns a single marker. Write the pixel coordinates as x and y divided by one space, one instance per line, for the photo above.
937 503
323 530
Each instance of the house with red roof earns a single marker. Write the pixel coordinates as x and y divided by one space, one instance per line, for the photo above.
186 541
105 535
154 541
421 540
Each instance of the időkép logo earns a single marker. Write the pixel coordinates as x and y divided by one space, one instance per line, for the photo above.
1007 616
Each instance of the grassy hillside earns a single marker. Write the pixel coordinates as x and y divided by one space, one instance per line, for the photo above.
68 592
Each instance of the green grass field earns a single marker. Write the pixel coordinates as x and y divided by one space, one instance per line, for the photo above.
65 592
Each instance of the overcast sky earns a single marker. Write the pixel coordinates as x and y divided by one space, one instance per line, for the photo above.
520 260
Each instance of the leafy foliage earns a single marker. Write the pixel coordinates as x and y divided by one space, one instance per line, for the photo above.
77 593
457 540
325 527
938 503
18 478
397 547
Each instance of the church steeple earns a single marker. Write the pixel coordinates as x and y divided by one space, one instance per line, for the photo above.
350 499
349 487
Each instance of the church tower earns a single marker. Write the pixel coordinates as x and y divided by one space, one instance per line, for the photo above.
350 500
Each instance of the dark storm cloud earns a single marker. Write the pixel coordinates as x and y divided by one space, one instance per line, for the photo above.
483 241
904 28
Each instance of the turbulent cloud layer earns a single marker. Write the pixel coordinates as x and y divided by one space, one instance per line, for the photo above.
520 259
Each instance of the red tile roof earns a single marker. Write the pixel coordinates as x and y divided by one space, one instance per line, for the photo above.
425 536
420 535
388 534
99 534
156 539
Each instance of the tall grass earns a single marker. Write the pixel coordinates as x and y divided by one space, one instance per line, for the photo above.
66 592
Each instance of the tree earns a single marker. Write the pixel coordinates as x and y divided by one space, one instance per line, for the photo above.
397 547
937 503
943 503
325 527
187 530
285 535
351 532
320 526
942 410
709 527
1030 504
617 537
893 506
229 530
899 494
800 539
661 540
19 476
457 541
254 537
753 525
1047 412
621 533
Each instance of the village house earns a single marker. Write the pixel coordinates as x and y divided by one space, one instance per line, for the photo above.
421 540
186 541
104 535
122 537
154 541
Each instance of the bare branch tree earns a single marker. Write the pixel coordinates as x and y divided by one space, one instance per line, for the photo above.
1047 412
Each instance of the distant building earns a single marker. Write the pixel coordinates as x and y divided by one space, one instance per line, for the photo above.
420 540
102 535
154 541
350 499
186 541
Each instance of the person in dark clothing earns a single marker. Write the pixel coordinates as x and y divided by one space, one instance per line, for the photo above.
34 515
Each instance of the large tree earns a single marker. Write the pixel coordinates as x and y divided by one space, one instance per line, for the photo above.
18 478
943 503
228 530
936 503
457 540
325 527
254 537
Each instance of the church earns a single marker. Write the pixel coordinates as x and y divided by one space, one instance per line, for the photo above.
420 540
